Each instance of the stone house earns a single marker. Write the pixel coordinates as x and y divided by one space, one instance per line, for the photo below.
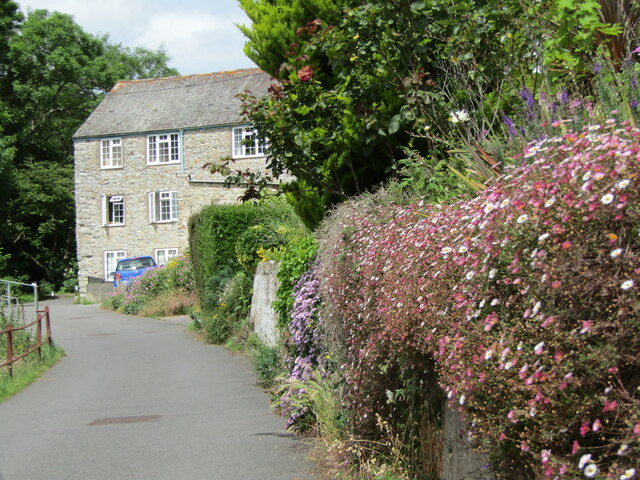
139 159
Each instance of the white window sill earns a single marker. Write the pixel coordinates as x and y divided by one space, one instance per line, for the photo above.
240 157
113 225
173 162
163 221
112 168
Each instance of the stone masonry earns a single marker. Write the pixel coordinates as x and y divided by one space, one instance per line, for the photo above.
196 188
205 136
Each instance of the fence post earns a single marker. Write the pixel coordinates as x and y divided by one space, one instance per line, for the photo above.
47 323
9 334
39 336
35 294
9 299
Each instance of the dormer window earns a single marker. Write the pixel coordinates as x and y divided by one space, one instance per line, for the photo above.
247 144
163 149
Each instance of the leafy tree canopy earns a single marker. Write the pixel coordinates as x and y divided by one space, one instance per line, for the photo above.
355 94
274 24
52 75
392 77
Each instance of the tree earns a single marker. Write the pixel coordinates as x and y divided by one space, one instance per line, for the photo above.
274 26
54 75
10 17
386 77
390 78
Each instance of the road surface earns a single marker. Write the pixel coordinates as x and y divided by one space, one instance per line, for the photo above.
141 399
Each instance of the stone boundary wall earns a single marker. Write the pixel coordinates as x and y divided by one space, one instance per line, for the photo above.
263 317
98 292
460 460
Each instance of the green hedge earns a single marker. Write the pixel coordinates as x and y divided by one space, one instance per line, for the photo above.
215 231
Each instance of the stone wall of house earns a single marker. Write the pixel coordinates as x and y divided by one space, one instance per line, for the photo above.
196 188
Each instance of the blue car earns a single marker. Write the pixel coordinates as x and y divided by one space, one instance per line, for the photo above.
130 268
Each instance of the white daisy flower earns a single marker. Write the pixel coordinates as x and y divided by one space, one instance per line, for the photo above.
628 474
504 203
495 302
446 250
584 459
607 198
623 448
463 249
591 470
622 184
550 202
627 284
522 218
492 273
488 354
586 176
616 253
469 274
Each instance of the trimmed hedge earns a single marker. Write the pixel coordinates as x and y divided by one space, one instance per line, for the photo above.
214 233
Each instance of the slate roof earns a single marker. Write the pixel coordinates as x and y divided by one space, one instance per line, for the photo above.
172 103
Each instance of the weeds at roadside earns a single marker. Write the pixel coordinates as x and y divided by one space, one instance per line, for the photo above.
267 360
179 303
27 371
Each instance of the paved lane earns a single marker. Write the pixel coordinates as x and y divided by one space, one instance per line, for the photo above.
140 399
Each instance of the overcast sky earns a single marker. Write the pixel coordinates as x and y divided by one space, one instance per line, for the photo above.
200 35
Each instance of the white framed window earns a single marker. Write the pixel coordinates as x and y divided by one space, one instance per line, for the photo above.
112 210
246 143
111 153
111 258
163 207
163 149
163 255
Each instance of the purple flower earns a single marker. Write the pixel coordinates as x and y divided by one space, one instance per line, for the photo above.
527 96
597 67
634 103
563 96
509 123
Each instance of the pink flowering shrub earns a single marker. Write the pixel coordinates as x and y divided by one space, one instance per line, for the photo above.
525 299
176 276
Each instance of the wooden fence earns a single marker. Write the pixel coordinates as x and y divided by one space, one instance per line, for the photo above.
41 316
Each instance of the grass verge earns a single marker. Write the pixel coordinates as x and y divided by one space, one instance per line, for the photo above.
27 371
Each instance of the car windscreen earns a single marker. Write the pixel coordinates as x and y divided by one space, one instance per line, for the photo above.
146 262
135 263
